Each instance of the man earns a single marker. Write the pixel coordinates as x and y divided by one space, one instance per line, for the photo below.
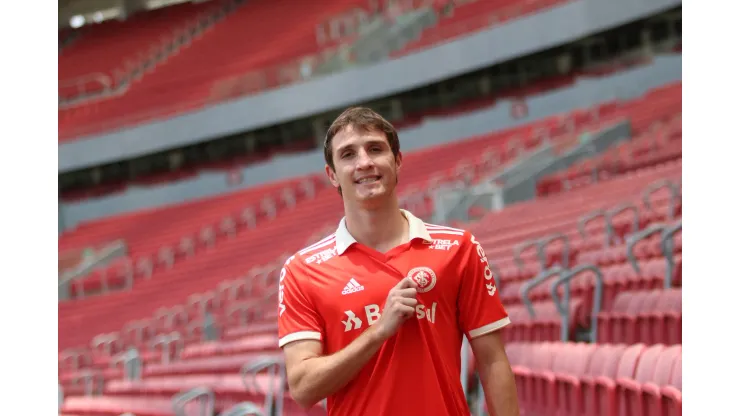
372 317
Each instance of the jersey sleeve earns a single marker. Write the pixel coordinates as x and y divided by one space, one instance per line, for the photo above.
481 310
298 318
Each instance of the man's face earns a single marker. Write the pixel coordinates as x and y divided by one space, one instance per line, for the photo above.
365 167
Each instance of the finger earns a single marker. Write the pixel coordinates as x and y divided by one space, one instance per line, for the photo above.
407 293
407 283
408 301
406 311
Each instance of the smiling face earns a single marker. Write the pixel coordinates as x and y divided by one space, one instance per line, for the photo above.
365 169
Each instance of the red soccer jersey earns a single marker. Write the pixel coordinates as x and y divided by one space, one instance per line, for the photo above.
333 290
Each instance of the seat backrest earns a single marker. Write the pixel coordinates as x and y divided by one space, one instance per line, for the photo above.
647 364
622 302
606 360
676 374
628 361
654 268
637 299
542 356
666 363
580 359
563 355
676 300
664 302
514 352
512 290
648 302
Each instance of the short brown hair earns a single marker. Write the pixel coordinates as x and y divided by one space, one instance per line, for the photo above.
362 119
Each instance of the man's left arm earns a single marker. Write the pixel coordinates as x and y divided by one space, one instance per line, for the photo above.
482 315
495 374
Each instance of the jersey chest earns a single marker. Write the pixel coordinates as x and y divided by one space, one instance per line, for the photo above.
351 293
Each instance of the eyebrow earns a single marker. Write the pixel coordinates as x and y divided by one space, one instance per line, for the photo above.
369 142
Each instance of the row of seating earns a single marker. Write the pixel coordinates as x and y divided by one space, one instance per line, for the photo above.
471 16
74 318
246 339
103 54
197 75
597 379
553 378
241 346
137 229
174 242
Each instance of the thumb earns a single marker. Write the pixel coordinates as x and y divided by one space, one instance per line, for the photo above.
407 282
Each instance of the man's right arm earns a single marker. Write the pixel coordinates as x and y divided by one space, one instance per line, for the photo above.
313 377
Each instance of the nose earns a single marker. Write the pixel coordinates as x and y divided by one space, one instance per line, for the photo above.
364 161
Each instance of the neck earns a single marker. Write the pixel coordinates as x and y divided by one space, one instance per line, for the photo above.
380 228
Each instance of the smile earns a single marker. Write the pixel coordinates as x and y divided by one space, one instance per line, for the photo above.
368 179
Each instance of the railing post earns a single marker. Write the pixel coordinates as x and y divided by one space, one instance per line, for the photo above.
180 401
635 238
667 246
564 307
672 188
536 281
610 214
519 248
583 222
543 243
275 367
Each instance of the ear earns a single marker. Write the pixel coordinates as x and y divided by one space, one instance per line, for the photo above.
332 176
399 161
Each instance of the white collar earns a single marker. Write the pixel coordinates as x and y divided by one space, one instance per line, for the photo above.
417 229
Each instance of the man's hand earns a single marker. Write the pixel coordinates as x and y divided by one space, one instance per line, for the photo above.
399 306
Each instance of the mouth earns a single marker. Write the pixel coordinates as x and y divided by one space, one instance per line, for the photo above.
368 180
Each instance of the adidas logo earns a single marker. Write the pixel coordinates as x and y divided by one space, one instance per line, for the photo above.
352 287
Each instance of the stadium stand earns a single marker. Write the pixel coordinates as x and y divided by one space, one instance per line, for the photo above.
111 54
589 268
175 240
168 78
650 326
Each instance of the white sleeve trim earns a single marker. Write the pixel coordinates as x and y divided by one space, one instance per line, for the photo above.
299 336
490 327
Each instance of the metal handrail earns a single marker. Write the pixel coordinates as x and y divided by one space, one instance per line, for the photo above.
584 220
76 356
635 238
243 409
496 273
91 378
131 363
519 248
108 341
626 206
181 399
564 307
536 281
175 312
549 239
275 369
667 184
165 340
244 309
667 247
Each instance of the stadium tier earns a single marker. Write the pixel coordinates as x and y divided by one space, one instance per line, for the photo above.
563 160
639 312
194 55
470 16
597 379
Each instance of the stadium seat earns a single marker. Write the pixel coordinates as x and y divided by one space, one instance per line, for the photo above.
562 378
